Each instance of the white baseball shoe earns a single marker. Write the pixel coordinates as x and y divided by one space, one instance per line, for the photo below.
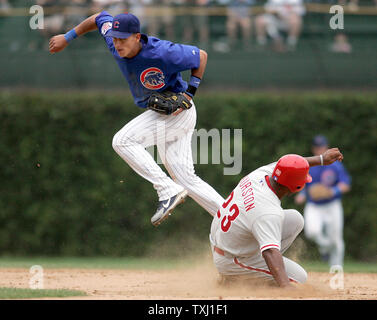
165 207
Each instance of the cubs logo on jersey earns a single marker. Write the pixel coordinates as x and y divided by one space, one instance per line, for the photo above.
152 78
328 177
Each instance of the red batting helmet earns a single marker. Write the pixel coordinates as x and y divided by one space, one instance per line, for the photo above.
292 171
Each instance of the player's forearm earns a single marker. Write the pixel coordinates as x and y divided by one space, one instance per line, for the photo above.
328 157
89 24
274 261
314 161
59 42
196 76
202 66
343 187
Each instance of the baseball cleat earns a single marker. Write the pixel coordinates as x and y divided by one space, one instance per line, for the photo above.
166 207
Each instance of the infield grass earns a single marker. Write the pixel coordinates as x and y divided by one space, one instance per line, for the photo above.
153 263
91 262
349 266
23 293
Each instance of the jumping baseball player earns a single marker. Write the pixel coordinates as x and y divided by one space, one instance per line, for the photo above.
251 230
152 68
323 211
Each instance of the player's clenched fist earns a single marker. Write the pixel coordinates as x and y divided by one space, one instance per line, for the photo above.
57 43
332 155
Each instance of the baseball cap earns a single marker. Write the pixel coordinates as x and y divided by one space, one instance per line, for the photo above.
124 25
320 141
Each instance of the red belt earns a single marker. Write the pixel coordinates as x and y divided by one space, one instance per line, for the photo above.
219 251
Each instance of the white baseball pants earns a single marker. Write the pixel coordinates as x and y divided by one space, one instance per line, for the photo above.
324 225
255 266
172 135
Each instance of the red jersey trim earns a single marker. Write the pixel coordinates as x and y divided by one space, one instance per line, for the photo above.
257 269
267 246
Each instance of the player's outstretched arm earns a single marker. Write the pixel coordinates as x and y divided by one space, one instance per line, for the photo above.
328 157
59 42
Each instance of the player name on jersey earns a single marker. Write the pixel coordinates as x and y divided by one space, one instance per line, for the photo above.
247 193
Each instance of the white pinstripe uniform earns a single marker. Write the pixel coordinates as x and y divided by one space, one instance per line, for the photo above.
250 221
158 66
172 135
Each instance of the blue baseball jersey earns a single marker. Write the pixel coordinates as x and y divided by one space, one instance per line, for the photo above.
330 176
157 67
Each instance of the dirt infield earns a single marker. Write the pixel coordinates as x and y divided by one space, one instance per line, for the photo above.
196 282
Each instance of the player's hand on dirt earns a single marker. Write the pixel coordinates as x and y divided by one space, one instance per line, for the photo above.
331 156
57 43
289 286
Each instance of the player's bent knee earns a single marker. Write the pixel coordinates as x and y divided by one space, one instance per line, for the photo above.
301 276
294 271
298 273
116 143
295 218
121 141
300 221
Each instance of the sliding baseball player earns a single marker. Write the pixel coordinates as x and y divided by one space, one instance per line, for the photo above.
251 231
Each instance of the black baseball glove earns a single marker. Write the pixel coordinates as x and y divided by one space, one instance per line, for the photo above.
167 102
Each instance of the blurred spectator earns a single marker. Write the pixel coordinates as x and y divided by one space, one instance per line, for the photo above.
53 19
239 15
160 17
4 6
341 44
194 22
53 23
114 7
323 211
281 15
75 12
60 15
353 5
137 8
